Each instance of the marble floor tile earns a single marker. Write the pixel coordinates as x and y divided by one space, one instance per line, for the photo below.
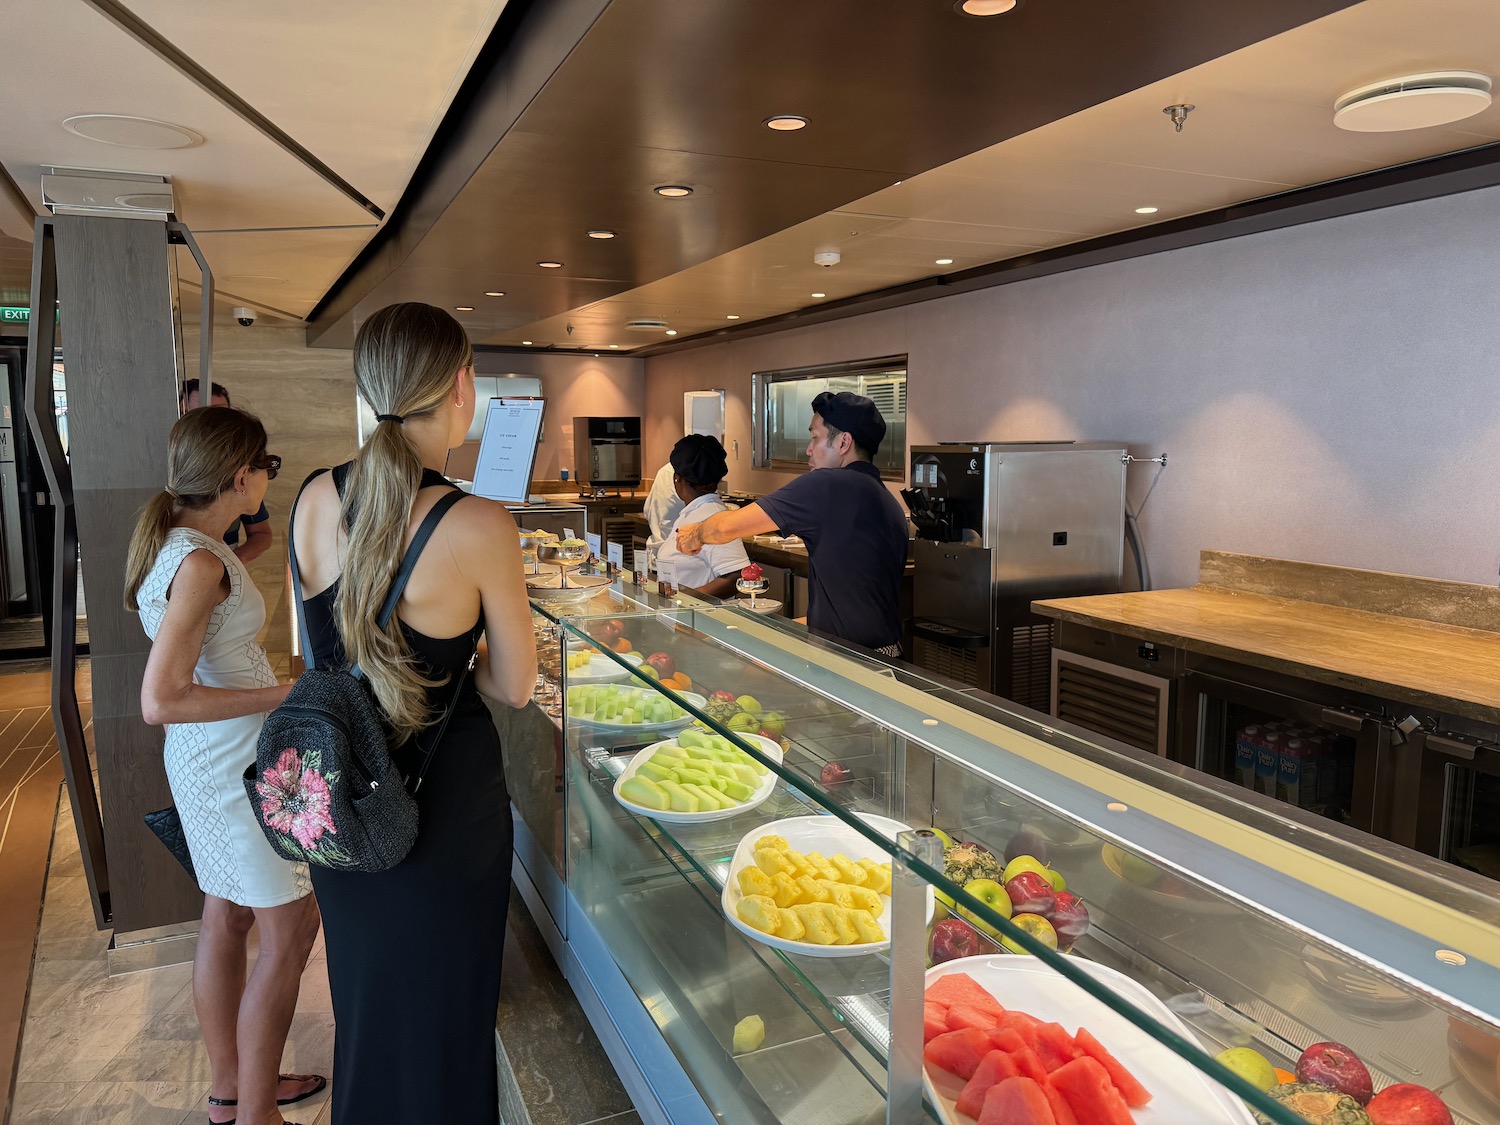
53 979
135 1103
36 1102
69 1046
170 1049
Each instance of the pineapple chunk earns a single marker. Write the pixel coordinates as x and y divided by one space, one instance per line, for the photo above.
849 871
869 930
749 1034
771 861
786 892
813 890
777 842
820 927
863 898
754 881
880 876
843 924
791 927
760 913
839 895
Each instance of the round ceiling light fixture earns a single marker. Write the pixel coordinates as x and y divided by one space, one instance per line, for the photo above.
732 316
463 308
526 343
819 296
985 7
673 191
1415 101
131 132
550 265
601 233
493 293
671 331
614 345
1147 210
786 122
943 262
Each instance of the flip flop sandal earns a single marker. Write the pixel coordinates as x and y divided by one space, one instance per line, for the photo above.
318 1088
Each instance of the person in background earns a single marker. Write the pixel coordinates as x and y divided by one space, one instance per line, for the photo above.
257 524
698 464
208 682
414 951
854 529
663 506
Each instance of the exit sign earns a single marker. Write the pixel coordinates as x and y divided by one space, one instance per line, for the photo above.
18 314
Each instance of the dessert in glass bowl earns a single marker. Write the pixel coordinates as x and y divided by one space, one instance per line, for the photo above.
752 582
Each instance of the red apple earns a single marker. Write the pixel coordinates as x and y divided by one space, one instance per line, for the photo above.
1070 918
663 663
835 773
1337 1067
953 938
607 631
1031 893
1408 1104
722 697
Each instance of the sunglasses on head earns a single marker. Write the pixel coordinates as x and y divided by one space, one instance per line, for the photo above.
270 463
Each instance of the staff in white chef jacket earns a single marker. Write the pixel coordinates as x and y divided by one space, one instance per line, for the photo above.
698 464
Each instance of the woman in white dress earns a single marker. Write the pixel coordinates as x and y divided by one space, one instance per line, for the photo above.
698 465
209 683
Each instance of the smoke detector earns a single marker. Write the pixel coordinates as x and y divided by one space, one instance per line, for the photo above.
1416 101
646 324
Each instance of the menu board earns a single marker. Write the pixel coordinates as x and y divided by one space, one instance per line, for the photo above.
507 449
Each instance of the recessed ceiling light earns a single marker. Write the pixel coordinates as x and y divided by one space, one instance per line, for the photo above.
944 262
464 308
671 331
1147 210
673 191
985 7
820 294
1414 101
131 132
526 343
614 345
550 265
493 293
601 233
732 316
786 122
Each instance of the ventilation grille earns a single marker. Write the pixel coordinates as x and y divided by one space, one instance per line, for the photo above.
618 529
1111 704
1031 665
961 664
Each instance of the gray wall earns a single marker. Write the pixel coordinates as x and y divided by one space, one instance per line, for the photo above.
1327 392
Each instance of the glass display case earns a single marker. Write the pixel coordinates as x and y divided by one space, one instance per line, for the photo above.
1192 916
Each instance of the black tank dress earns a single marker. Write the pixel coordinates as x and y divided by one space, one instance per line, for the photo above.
414 952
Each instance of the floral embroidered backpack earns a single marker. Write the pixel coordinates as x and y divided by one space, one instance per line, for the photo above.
323 785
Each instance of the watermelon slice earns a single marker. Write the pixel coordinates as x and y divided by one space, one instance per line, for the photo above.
1005 1039
965 1015
959 1052
1054 1045
1131 1090
934 1022
961 988
1016 1101
994 1068
1085 1085
1060 1108
1029 1065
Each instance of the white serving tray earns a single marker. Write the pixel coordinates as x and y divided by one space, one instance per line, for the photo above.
1180 1092
766 787
683 720
829 835
601 669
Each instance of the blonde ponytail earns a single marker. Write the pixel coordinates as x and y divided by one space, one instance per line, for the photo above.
405 358
146 541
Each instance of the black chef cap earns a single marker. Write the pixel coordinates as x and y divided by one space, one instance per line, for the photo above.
699 459
856 415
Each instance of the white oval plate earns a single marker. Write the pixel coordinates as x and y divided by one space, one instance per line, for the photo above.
826 834
678 723
762 605
1179 1091
766 787
601 669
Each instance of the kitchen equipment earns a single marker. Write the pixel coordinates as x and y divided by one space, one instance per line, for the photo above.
606 452
999 525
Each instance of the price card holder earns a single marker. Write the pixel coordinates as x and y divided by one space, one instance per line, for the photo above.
568 533
593 541
616 554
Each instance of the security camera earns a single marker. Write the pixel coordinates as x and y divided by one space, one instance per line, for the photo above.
826 258
245 317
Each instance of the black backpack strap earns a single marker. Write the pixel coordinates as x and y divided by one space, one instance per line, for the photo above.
409 561
291 554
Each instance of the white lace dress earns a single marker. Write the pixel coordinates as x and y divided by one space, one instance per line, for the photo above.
206 761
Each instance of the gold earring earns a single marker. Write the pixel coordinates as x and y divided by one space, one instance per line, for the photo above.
459 404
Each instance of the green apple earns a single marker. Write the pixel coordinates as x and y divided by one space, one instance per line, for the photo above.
943 836
1059 884
1024 863
749 703
775 722
743 722
993 895
1250 1065
1035 925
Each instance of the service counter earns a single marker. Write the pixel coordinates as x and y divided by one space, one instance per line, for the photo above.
1208 921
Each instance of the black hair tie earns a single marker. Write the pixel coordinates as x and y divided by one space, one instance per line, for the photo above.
396 418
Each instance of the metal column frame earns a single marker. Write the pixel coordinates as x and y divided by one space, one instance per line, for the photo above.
908 953
178 233
68 724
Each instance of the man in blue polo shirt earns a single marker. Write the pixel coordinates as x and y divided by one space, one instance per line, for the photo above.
854 529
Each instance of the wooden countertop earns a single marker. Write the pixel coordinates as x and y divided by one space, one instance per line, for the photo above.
1417 661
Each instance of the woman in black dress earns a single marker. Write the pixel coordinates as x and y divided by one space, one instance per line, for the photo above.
414 952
